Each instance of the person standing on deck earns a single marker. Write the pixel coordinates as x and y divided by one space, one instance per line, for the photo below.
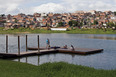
47 43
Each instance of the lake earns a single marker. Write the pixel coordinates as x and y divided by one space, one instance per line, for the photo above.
105 60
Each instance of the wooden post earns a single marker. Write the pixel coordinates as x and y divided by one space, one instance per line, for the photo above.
38 44
18 45
26 43
6 43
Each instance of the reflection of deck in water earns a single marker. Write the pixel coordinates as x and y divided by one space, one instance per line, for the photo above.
81 51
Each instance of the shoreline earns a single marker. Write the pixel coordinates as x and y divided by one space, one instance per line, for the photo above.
43 31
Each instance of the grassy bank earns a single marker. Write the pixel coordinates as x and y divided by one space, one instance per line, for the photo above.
16 69
75 31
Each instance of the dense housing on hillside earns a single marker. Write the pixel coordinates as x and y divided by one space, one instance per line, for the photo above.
80 19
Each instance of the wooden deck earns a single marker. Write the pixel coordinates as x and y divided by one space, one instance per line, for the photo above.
81 51
29 53
54 49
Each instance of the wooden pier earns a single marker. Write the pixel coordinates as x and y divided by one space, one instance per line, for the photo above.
82 51
41 51
23 54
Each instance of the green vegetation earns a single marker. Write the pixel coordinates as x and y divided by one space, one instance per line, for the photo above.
115 13
73 31
95 22
111 24
60 24
16 69
92 31
73 23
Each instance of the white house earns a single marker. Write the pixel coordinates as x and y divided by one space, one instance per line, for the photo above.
59 29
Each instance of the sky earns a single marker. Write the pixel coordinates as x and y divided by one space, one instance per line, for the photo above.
55 6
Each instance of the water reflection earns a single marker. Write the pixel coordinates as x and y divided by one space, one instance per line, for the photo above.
38 60
30 60
105 38
106 62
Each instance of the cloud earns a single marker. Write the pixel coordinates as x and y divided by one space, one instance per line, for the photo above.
31 6
50 7
9 6
86 5
103 6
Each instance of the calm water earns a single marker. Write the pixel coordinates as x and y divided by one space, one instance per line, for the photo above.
105 60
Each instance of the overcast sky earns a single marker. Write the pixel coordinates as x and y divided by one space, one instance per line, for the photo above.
56 6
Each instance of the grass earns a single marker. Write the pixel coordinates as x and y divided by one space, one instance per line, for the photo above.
92 31
60 69
75 31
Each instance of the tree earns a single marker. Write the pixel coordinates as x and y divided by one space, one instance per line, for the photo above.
111 24
16 20
85 23
73 23
2 15
115 13
70 23
81 24
95 22
60 24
